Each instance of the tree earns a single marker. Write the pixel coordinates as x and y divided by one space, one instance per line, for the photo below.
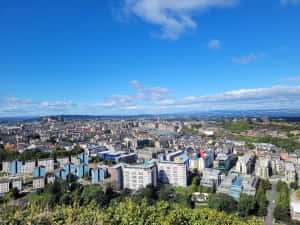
148 193
93 193
15 193
294 185
247 205
222 202
194 186
165 193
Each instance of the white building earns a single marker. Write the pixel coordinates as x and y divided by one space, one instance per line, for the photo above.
5 167
139 176
174 173
75 160
262 168
290 173
4 186
295 206
47 163
62 161
38 182
194 164
211 177
17 183
206 161
244 165
28 167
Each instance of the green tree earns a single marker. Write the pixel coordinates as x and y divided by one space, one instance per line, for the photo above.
247 205
222 202
294 185
15 193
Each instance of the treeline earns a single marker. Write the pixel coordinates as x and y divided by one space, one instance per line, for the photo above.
6 155
282 209
67 202
238 126
247 205
289 144
126 212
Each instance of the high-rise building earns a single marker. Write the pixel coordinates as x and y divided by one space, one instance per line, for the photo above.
139 176
28 167
15 168
39 171
174 173
38 182
116 176
47 163
4 186
262 168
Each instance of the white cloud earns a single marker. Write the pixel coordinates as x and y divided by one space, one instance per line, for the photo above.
247 59
116 101
140 88
214 45
297 78
292 2
174 17
260 98
56 104
244 59
149 93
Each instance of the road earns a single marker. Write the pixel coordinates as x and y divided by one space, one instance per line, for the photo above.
269 219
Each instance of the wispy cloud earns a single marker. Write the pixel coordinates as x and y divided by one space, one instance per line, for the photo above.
160 100
174 17
260 98
214 45
296 78
247 59
292 2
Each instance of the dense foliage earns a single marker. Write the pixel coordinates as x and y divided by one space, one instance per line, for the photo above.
6 155
125 212
237 126
246 206
282 209
68 202
288 144
222 202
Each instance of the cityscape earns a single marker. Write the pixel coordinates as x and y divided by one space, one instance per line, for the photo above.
141 112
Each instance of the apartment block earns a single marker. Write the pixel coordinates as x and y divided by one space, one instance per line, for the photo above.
4 186
62 161
244 165
116 176
28 167
139 176
38 182
5 166
174 173
17 183
47 163
290 173
262 168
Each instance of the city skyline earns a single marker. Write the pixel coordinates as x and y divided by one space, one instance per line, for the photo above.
148 57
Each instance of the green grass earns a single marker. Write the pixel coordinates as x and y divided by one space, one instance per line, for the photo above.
34 196
267 195
277 198
180 189
201 206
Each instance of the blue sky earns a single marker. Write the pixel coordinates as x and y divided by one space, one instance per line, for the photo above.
148 56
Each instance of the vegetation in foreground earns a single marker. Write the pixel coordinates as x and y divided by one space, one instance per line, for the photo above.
68 202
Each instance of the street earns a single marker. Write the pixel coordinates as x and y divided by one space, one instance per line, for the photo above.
269 220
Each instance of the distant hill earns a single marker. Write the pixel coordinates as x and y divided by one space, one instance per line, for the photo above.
217 113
